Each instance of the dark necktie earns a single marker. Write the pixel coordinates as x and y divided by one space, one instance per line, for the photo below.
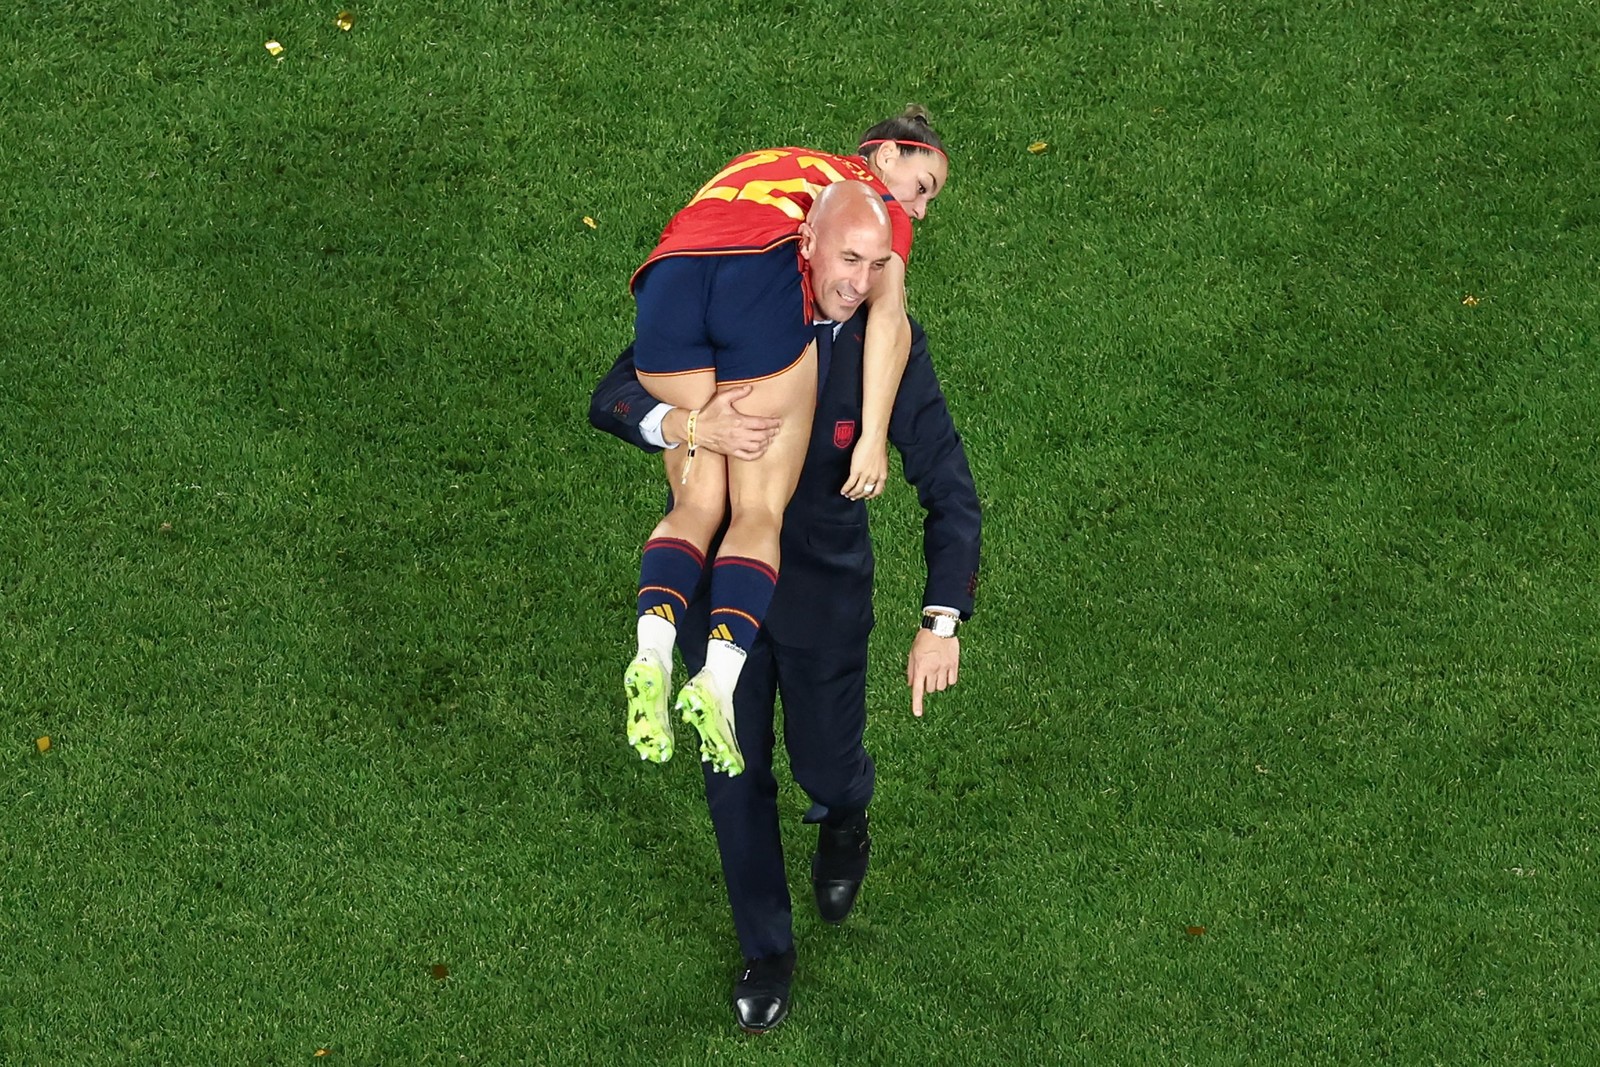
824 352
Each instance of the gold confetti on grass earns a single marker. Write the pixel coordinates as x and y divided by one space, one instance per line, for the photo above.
1470 300
321 1052
1039 147
43 744
345 20
1195 931
275 48
593 225
439 971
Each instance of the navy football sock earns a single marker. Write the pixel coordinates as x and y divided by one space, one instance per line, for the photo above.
668 573
741 590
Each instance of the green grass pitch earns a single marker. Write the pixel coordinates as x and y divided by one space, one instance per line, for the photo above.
1276 736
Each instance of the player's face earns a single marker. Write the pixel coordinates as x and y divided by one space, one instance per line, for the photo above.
846 262
914 178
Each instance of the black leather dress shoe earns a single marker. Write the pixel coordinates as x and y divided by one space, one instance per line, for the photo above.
839 866
761 992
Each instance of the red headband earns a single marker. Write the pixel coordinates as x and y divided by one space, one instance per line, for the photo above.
915 144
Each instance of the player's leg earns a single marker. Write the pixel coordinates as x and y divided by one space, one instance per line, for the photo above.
670 568
746 567
675 361
756 316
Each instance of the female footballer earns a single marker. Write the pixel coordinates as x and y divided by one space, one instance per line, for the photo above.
778 242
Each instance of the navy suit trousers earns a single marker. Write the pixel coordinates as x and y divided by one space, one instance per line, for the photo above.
824 694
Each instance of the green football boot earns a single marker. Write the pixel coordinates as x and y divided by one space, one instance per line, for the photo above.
649 725
712 715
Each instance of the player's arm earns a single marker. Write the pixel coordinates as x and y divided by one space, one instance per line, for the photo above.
887 345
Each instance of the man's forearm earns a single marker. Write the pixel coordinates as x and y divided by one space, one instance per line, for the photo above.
719 427
935 462
674 427
653 427
617 402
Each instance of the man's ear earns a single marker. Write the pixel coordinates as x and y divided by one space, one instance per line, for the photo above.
808 239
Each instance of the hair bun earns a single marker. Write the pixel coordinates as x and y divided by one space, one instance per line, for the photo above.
910 129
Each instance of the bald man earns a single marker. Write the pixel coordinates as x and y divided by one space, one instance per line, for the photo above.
709 319
813 646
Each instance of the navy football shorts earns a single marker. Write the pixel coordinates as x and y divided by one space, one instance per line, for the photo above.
740 314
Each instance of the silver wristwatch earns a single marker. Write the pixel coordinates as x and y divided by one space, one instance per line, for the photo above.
941 624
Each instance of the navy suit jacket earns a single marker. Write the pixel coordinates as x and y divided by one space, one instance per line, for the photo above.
824 591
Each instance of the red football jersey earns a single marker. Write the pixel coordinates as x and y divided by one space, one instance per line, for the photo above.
759 200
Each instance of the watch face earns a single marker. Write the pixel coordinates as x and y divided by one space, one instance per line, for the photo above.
941 625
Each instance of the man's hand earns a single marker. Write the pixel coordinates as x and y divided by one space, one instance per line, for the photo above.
720 427
932 666
869 470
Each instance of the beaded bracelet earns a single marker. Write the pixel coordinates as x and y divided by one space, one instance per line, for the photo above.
688 457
